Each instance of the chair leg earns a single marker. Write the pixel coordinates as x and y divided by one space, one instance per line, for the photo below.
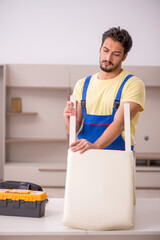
134 178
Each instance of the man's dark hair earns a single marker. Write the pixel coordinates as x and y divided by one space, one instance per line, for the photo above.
120 35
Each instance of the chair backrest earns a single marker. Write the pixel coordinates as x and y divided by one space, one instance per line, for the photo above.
72 127
99 186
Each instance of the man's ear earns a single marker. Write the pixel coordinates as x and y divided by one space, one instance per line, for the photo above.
124 57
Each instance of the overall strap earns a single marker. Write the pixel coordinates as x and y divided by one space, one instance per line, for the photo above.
119 93
84 93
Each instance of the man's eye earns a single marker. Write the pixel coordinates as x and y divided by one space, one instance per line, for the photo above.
105 50
117 55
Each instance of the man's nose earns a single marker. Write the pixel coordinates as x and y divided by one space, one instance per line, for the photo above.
108 57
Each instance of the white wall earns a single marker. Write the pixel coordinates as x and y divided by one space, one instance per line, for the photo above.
69 31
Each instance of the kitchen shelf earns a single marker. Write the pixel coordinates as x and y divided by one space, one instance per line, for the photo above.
148 158
35 140
147 169
21 113
39 87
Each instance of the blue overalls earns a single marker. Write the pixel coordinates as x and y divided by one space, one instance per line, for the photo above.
95 125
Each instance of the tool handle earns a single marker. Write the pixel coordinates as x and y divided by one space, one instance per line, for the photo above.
72 127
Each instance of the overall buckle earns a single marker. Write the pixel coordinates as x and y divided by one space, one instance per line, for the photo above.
83 104
116 104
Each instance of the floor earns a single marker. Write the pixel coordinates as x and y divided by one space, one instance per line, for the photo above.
140 193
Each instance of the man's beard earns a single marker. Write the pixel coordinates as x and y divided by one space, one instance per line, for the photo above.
106 69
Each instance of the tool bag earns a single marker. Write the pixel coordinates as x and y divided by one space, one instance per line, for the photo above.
99 186
20 185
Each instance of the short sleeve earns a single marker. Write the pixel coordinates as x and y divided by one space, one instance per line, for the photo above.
134 91
78 90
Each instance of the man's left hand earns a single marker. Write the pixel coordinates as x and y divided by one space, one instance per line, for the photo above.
81 145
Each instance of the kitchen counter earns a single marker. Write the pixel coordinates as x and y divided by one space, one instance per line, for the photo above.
146 225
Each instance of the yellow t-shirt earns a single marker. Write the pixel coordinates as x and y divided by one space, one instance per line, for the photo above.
101 95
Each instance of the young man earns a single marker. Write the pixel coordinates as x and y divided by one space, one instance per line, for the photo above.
101 98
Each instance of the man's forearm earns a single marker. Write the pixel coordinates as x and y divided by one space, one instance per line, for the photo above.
109 135
117 126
